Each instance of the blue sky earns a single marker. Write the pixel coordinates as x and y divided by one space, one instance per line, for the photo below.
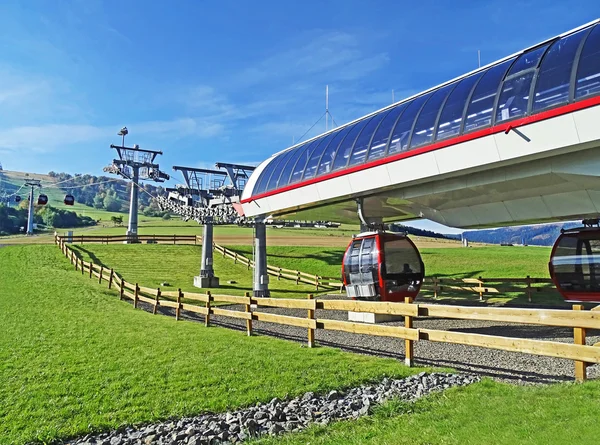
231 81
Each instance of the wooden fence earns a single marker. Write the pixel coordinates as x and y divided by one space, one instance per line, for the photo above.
481 286
577 319
149 239
488 286
295 275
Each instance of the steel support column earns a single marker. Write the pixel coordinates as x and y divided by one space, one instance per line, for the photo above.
30 214
132 227
207 278
261 277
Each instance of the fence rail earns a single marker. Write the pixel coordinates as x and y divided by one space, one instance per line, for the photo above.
154 239
248 309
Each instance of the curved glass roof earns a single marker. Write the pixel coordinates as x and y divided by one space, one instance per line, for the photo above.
560 71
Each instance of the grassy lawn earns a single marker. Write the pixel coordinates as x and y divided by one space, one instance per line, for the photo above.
179 263
152 264
483 413
492 261
73 358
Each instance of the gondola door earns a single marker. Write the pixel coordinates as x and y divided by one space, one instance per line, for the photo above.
361 269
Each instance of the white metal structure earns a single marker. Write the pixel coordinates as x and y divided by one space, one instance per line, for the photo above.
514 142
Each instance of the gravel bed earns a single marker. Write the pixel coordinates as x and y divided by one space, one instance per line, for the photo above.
512 367
279 416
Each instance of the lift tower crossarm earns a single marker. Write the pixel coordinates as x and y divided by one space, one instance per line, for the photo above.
135 164
236 171
140 150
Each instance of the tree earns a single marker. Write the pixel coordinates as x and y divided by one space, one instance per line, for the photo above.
111 203
98 201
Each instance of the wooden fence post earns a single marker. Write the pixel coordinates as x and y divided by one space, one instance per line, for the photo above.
408 344
435 287
91 268
279 274
157 302
174 239
76 263
248 322
136 295
122 289
178 310
297 277
528 288
480 289
207 316
579 339
235 259
317 283
100 277
311 332
82 267
111 277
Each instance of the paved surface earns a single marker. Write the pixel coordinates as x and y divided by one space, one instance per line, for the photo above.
501 365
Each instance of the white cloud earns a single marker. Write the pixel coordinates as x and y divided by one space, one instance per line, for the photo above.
335 54
50 138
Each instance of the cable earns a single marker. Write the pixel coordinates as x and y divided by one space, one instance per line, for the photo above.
334 122
83 185
313 126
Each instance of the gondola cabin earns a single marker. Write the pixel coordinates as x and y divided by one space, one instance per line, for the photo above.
69 200
382 266
575 264
42 200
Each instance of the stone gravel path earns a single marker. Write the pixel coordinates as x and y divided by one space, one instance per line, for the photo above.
505 366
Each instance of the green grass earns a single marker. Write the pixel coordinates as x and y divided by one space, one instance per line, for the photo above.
74 359
152 264
483 413
179 263
498 262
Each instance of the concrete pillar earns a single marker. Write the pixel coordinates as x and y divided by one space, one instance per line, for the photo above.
132 227
207 278
30 214
261 277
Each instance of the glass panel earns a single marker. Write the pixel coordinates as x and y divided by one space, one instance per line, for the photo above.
514 97
261 184
359 152
528 60
423 133
401 258
283 158
479 113
311 166
343 153
382 135
284 179
326 162
588 72
302 160
554 75
452 114
399 139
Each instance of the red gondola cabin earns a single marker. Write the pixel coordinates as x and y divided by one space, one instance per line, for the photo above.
382 266
575 264
69 200
42 200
